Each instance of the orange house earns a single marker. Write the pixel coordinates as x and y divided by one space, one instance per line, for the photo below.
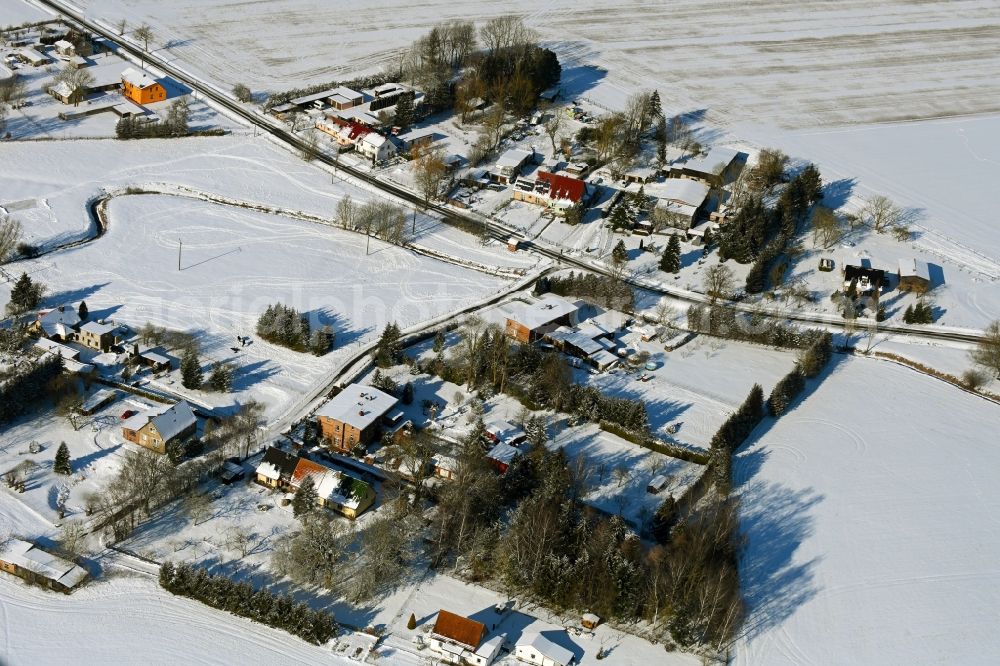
141 88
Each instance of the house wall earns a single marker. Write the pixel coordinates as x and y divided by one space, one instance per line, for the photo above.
100 342
518 331
913 283
344 436
154 93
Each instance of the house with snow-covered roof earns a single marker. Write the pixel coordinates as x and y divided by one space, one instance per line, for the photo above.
354 416
376 147
26 560
680 201
528 322
536 649
98 335
59 323
155 428
559 193
459 640
914 275
508 166
141 88
716 167
276 468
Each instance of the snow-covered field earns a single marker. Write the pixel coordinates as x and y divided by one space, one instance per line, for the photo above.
870 513
130 620
16 12
794 64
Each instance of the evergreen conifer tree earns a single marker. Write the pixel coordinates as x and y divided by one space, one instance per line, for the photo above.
62 463
671 260
305 499
191 374
83 311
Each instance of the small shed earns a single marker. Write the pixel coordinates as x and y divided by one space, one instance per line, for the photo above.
96 401
656 484
513 243
590 621
914 275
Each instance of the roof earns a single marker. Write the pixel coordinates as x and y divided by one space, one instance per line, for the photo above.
563 187
336 486
387 88
277 463
585 343
305 468
547 648
684 191
459 629
603 358
490 648
98 328
853 271
323 94
374 139
62 89
154 357
514 158
138 79
447 463
715 162
505 430
358 406
544 311
168 421
914 268
31 54
54 347
503 453
63 44
55 321
174 420
27 556
96 400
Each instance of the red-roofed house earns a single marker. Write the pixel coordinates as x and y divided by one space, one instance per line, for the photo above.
560 194
459 640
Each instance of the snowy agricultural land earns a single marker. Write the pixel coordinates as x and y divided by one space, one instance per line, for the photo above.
235 261
792 64
870 517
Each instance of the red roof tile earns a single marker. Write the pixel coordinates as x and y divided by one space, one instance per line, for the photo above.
563 187
459 629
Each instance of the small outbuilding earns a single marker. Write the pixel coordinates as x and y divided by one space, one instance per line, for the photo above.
538 650
27 561
914 275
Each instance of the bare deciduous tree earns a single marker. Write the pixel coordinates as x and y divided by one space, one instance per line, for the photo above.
718 282
987 351
77 80
880 213
553 126
826 227
429 172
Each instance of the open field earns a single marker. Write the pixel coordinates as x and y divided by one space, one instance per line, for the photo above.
870 512
16 12
794 65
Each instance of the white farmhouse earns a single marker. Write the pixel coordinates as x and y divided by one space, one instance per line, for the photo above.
376 147
533 648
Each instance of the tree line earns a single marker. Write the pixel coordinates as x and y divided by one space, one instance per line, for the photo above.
726 322
27 383
614 293
284 325
280 611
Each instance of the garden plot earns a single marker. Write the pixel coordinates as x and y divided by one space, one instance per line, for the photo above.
95 452
870 513
235 263
696 386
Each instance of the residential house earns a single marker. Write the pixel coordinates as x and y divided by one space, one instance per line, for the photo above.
914 275
502 456
353 417
59 324
335 489
64 92
376 147
28 561
509 165
560 194
529 322
716 168
680 201
863 279
158 427
98 335
536 649
504 431
65 48
415 139
589 342
445 467
148 358
141 88
276 468
456 640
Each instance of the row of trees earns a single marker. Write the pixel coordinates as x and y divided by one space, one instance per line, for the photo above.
725 322
810 363
380 218
239 598
614 293
174 125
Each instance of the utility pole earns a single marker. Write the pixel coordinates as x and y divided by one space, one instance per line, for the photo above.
368 242
180 245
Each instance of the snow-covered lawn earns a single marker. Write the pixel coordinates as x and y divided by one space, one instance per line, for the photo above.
870 513
127 619
16 12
